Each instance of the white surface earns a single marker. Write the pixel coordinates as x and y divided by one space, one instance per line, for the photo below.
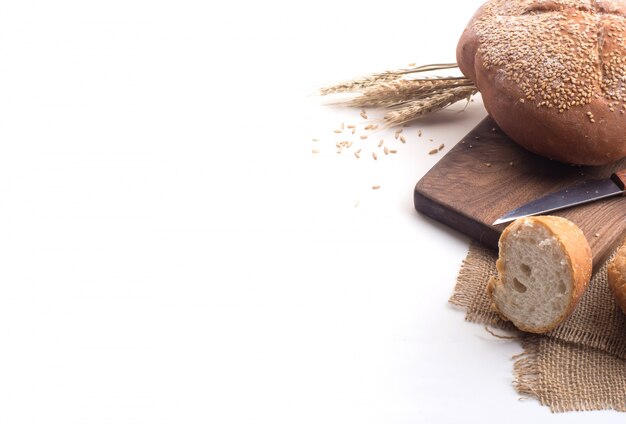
172 251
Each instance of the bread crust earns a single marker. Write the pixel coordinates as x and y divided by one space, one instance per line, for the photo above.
590 133
573 242
616 271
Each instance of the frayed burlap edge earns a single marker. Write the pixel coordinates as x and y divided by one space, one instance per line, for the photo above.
532 381
468 291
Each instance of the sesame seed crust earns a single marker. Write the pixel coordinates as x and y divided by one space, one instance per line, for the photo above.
542 65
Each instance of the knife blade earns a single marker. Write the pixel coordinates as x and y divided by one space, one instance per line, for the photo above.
587 191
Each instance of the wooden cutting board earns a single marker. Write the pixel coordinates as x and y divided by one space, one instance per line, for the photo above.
486 175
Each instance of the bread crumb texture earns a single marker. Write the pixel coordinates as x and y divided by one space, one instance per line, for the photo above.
544 265
559 53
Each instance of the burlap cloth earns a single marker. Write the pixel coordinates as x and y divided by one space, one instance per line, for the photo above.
581 365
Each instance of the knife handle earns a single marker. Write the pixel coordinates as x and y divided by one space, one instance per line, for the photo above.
619 178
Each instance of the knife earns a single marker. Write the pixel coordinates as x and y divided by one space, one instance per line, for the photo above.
587 191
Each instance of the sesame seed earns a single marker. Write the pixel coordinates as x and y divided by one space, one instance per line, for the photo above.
552 55
433 151
375 187
374 155
402 139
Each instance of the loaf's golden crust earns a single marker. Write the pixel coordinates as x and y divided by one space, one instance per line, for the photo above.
573 242
617 276
561 94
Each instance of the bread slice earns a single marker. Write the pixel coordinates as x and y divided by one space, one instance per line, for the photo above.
617 276
544 266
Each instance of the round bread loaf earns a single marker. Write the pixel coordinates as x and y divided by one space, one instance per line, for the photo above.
617 276
544 266
552 74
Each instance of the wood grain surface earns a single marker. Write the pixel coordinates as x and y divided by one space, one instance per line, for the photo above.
486 175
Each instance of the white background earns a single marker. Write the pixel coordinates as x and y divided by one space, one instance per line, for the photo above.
171 250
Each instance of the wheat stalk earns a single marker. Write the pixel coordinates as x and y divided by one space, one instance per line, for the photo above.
408 97
416 108
358 84
393 93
